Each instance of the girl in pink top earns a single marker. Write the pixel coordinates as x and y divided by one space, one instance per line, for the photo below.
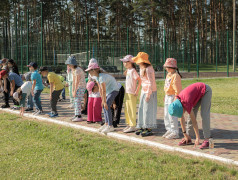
148 99
132 91
190 99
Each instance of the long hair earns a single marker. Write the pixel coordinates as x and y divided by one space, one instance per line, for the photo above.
179 72
146 66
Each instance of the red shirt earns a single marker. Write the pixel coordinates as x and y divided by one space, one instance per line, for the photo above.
191 95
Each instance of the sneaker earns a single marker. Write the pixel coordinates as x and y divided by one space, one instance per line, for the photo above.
15 108
5 106
108 129
166 134
114 123
139 131
205 145
53 115
130 129
38 113
184 143
127 127
62 100
28 109
147 132
77 119
172 136
102 128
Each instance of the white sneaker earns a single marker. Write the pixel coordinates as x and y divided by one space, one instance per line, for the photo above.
166 134
172 136
77 119
127 127
38 113
102 128
72 118
130 129
108 129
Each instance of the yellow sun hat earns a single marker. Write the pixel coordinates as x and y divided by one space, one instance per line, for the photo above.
141 57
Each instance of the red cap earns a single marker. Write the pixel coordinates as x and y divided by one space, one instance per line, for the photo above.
2 73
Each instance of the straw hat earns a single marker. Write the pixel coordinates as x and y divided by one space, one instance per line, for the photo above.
141 57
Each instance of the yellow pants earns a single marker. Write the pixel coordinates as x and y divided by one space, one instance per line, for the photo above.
130 109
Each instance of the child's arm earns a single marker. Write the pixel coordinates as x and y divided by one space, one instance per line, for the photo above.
12 87
5 85
33 87
125 72
150 78
103 95
177 85
195 127
138 86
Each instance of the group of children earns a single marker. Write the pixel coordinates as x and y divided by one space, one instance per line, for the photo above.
100 91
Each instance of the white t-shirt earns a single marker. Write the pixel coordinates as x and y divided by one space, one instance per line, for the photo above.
131 80
94 95
26 87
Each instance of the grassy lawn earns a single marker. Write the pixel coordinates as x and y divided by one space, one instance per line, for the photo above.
31 149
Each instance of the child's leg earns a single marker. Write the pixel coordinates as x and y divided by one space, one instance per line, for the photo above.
119 104
97 110
77 101
63 94
132 112
173 121
6 97
90 109
14 101
22 103
54 100
71 94
166 114
30 102
37 100
108 113
205 112
140 121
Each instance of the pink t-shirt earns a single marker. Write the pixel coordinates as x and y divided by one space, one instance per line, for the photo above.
148 80
131 80
191 95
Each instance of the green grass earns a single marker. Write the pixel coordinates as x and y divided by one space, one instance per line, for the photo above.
34 150
224 97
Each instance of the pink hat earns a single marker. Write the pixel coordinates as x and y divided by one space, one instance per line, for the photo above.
90 86
92 66
127 58
171 62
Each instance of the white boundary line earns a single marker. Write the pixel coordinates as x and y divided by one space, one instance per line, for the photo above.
130 139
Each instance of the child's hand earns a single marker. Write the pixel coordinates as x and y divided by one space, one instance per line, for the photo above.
5 90
32 93
136 93
51 97
147 98
105 106
67 85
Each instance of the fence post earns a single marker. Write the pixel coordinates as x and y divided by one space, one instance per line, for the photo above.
188 56
16 38
183 52
127 45
164 51
21 47
216 49
87 43
228 53
27 39
197 53
41 39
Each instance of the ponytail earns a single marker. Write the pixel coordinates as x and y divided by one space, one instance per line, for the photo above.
133 65
179 73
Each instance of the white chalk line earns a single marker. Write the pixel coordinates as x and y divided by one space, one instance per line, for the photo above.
130 139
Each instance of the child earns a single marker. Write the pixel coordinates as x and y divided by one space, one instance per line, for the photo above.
78 87
37 87
190 99
56 88
117 106
21 94
12 66
148 100
172 88
85 101
108 90
6 88
131 93
69 84
27 77
94 103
